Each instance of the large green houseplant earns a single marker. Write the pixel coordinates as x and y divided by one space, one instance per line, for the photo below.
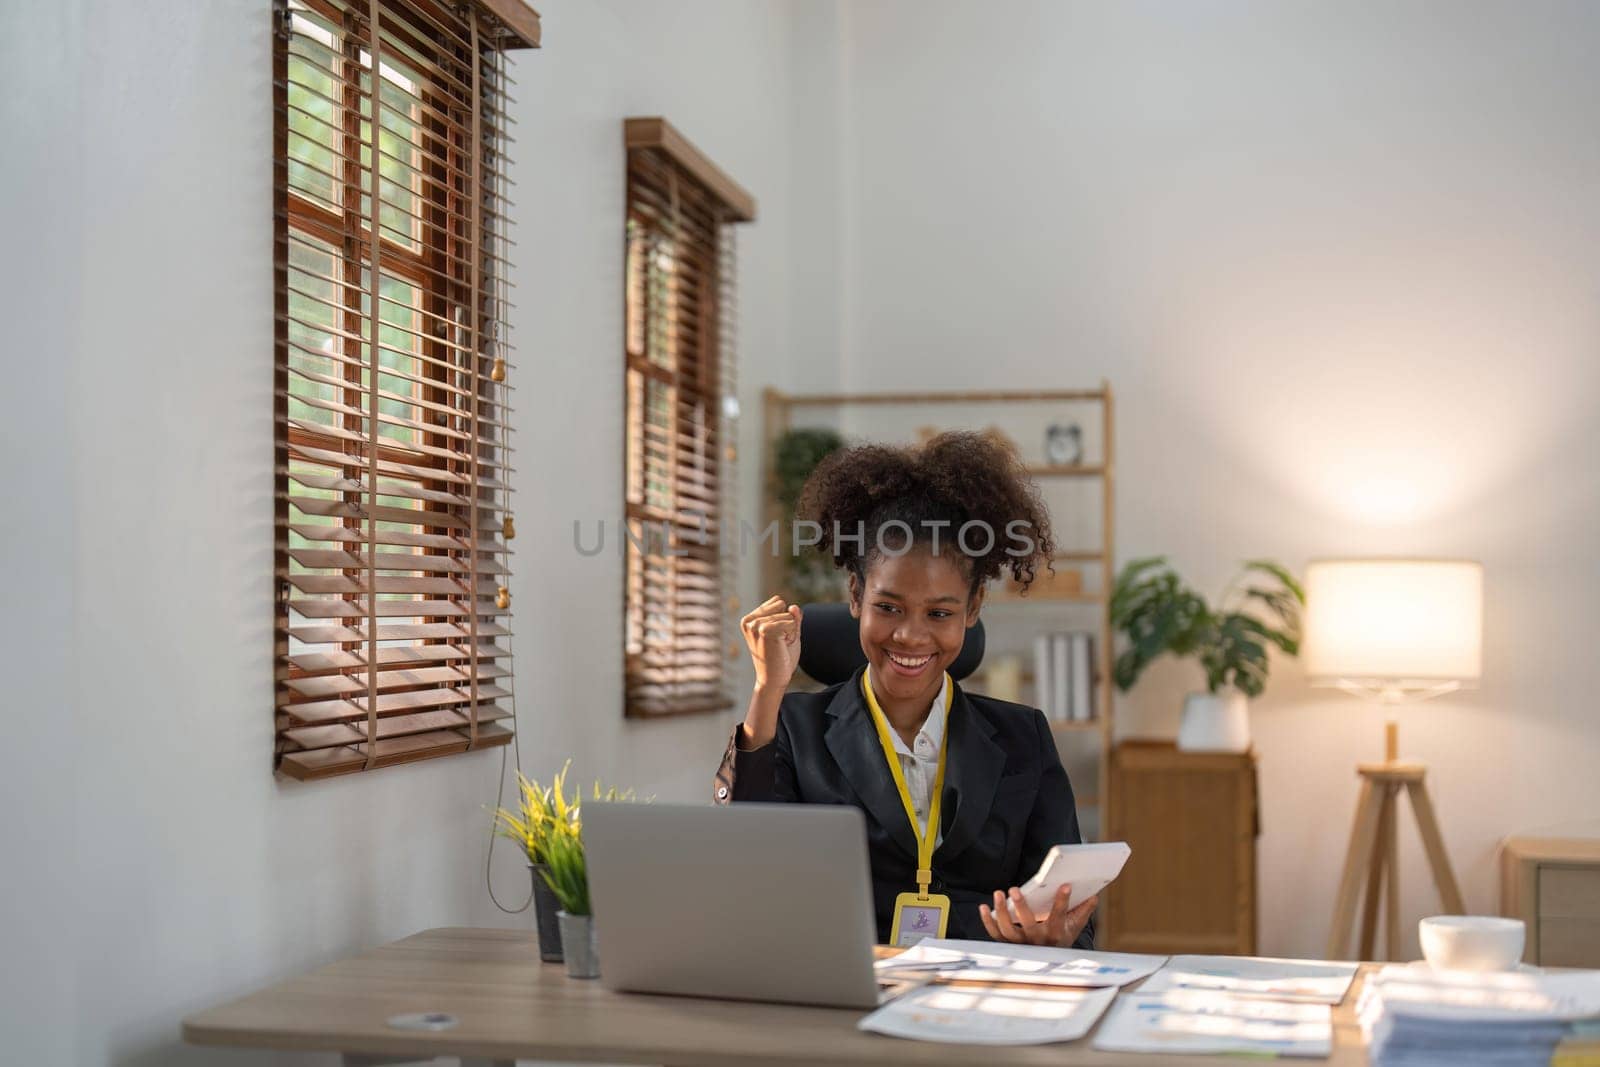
1158 615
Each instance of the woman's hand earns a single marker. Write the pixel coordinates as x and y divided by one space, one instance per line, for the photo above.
1059 928
772 633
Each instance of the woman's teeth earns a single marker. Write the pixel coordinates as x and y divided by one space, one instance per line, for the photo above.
910 662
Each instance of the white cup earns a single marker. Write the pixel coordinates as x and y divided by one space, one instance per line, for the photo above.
1471 942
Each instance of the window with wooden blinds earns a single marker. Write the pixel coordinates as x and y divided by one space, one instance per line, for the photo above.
682 403
393 375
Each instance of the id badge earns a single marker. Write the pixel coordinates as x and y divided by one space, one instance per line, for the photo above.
917 917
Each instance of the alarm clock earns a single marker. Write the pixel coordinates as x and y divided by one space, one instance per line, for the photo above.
1063 444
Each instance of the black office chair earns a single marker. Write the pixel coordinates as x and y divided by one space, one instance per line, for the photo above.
830 645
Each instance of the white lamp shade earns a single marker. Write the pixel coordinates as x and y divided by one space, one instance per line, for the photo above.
1394 622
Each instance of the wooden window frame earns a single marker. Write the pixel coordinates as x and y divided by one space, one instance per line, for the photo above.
447 62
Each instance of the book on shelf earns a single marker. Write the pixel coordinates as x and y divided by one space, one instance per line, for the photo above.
1064 676
1081 656
1060 678
1041 676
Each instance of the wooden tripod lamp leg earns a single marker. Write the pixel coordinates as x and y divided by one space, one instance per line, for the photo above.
1391 910
1433 844
1383 860
1355 860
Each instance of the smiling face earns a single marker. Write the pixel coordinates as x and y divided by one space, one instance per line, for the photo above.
914 615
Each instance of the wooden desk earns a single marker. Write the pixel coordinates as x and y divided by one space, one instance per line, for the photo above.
512 1006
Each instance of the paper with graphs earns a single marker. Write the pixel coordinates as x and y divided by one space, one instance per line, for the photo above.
994 961
1207 1023
1306 981
1005 1015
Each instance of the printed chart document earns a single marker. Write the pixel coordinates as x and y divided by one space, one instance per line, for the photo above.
1306 981
1185 1021
1008 1016
993 961
1089 869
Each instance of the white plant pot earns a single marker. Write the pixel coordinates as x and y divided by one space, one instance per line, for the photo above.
579 945
1215 722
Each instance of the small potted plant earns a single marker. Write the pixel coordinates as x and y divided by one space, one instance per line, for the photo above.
1158 614
567 874
549 825
539 810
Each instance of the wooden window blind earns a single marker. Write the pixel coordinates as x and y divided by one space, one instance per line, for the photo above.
392 417
681 407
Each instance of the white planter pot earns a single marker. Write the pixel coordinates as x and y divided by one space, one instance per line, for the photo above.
578 945
1215 722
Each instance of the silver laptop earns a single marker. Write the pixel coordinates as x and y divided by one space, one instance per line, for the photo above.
745 902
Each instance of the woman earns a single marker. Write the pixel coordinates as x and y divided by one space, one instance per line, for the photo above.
963 794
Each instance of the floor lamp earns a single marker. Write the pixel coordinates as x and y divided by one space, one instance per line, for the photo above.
1395 631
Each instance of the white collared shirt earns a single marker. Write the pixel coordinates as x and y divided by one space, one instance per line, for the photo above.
919 761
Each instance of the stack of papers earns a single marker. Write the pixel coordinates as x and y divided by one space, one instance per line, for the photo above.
993 961
1414 1015
1300 981
1203 1023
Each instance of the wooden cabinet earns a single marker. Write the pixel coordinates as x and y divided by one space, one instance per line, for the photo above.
1191 820
1553 885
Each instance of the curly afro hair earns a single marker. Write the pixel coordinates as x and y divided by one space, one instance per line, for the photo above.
935 490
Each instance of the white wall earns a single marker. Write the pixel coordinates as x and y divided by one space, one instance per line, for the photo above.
1337 259
720 72
154 865
43 169
1339 262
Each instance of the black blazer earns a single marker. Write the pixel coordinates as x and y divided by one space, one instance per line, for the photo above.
1006 796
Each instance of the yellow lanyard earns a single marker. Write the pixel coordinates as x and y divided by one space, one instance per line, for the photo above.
927 838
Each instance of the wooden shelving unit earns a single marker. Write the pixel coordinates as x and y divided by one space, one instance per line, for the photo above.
779 410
